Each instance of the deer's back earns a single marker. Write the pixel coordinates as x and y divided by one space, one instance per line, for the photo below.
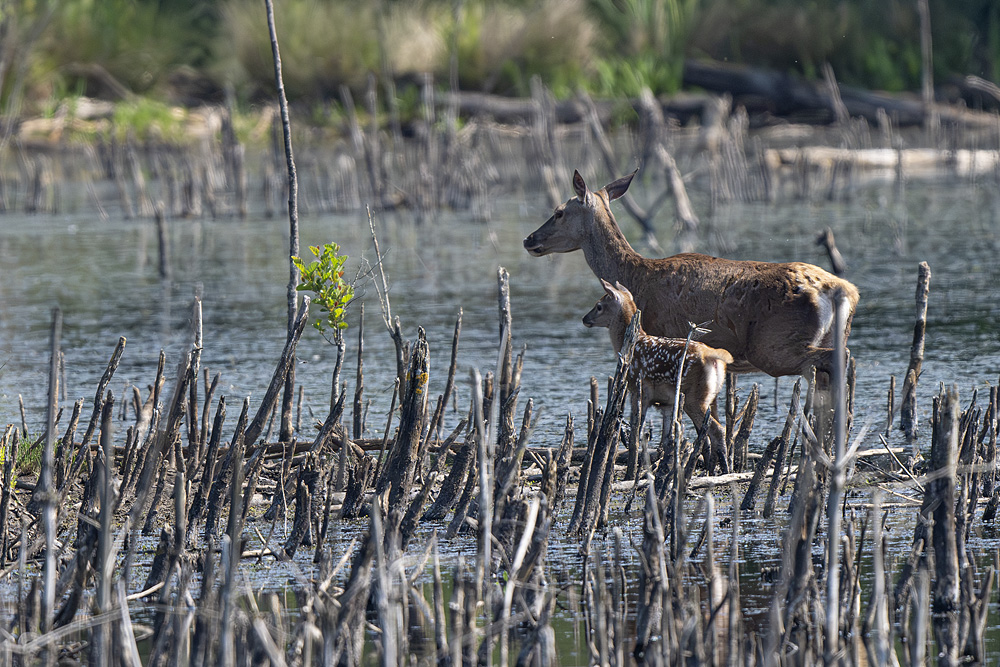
734 296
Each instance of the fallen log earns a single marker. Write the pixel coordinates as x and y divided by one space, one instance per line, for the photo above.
763 91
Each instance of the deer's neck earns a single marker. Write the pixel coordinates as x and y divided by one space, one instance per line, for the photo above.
620 326
608 253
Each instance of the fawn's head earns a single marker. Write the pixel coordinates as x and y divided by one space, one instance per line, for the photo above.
615 308
569 225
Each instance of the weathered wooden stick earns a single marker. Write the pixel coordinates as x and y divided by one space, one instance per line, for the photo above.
231 551
462 508
105 561
908 410
223 478
66 444
782 450
208 469
359 386
750 498
991 488
47 489
484 463
305 491
416 506
943 462
397 476
102 387
742 438
890 408
826 240
456 476
10 444
837 476
449 383
281 373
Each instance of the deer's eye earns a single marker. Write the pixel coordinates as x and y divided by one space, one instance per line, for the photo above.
600 307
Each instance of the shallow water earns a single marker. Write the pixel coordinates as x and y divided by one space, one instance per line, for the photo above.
103 274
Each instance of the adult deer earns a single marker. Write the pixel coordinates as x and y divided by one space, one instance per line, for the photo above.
772 317
656 366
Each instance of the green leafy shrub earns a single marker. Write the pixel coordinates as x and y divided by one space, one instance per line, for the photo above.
324 277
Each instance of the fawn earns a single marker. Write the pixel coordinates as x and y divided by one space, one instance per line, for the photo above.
656 362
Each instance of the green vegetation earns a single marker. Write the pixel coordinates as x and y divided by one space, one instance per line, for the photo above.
149 119
324 277
179 50
29 456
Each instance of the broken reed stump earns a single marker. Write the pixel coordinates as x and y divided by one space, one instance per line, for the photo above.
944 459
908 409
826 240
741 439
785 440
397 476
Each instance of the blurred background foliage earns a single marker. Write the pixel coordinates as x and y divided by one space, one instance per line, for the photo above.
190 51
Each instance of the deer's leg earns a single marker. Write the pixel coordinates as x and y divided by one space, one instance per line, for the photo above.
717 436
699 411
637 417
796 337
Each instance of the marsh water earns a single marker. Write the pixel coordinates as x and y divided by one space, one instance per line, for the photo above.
101 271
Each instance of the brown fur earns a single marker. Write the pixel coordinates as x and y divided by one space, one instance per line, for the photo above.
656 361
769 316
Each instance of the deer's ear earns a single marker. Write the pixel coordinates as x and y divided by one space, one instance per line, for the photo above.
621 288
607 286
579 186
619 187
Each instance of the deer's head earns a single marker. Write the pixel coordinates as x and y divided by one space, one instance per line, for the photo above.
616 307
572 221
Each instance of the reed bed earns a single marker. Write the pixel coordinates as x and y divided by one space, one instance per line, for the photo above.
220 497
462 151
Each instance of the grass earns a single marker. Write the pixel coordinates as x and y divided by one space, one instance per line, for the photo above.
148 119
323 45
29 456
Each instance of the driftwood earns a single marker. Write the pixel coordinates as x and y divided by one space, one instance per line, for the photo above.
962 162
782 94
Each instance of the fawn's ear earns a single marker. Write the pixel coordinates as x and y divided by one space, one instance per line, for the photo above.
619 187
621 288
606 285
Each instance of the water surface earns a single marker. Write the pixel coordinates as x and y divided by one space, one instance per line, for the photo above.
102 272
